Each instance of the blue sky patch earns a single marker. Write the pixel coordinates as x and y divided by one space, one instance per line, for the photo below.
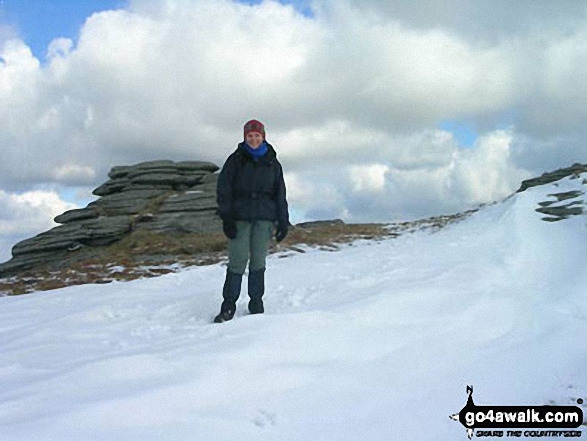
80 196
38 23
302 6
464 133
508 119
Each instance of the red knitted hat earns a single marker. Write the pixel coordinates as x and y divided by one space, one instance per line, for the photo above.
254 126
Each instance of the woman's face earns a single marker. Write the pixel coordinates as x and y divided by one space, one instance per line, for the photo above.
254 139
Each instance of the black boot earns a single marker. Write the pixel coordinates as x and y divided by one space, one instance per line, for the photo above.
256 291
230 293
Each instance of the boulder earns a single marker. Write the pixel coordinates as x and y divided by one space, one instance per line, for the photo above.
162 197
546 178
112 186
166 179
77 215
195 200
119 171
128 202
321 223
202 222
96 232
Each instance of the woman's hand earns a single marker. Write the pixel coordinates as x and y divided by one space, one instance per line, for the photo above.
282 228
229 227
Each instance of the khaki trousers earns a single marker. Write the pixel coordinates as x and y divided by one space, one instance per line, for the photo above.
251 243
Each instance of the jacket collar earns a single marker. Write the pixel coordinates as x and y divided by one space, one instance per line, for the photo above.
268 158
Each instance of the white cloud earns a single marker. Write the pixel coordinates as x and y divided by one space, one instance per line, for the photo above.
23 215
369 178
458 179
481 19
74 173
59 48
351 98
485 173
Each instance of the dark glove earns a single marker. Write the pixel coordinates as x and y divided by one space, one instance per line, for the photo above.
281 231
229 227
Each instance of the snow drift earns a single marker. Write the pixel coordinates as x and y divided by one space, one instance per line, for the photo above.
375 342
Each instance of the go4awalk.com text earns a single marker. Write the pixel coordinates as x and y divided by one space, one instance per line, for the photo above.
520 421
528 433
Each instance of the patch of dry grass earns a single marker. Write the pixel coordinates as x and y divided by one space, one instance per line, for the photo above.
333 234
146 254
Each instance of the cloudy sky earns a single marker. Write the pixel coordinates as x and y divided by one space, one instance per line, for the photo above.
379 109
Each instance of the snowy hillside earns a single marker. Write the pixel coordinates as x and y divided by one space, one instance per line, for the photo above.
374 342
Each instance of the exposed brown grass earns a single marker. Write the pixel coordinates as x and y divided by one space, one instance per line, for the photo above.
333 234
147 254
142 242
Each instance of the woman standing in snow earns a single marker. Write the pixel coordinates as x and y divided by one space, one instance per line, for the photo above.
251 200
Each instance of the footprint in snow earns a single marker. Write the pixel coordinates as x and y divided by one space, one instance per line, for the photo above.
265 418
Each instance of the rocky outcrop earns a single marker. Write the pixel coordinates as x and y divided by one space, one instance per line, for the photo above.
155 217
561 205
157 196
546 178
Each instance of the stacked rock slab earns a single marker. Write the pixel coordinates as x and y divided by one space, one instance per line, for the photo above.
159 196
562 205
548 177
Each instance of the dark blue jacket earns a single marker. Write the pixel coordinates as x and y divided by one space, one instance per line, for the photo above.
252 190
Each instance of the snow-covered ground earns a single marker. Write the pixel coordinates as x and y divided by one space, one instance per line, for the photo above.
374 342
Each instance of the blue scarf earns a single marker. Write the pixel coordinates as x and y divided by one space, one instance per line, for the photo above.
258 152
